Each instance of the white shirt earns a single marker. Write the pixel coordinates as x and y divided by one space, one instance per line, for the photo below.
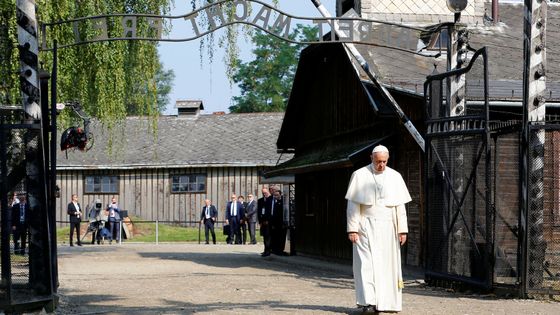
78 211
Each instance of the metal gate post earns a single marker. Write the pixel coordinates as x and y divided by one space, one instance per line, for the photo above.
5 229
532 206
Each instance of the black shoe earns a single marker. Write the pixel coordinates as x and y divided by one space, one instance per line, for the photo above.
370 309
206 243
80 244
265 254
71 244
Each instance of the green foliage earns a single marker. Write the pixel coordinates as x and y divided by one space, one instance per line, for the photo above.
227 41
266 81
9 79
111 79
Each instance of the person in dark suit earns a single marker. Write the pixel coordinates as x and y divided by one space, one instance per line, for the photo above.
243 222
263 213
251 217
75 213
234 210
20 223
208 217
277 229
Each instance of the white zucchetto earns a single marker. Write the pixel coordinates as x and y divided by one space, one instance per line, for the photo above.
380 148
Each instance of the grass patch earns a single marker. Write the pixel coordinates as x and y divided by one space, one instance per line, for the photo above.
146 232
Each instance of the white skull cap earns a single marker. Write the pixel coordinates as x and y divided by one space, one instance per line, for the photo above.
379 149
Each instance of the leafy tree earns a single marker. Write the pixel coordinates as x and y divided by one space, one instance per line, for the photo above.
226 40
266 81
111 79
140 90
164 81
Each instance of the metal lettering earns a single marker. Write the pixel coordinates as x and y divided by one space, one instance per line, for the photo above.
320 28
282 24
155 23
245 10
346 29
77 38
192 17
129 29
100 24
266 18
213 12
263 15
365 32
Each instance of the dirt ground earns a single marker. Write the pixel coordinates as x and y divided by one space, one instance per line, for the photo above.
234 279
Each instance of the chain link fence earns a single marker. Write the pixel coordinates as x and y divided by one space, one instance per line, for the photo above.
543 214
25 260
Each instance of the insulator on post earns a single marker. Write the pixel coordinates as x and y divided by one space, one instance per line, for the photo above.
539 23
538 100
539 73
27 73
25 46
539 48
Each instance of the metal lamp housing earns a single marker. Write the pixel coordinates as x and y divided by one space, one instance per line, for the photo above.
457 6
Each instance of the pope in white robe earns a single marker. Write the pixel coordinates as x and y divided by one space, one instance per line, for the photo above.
377 226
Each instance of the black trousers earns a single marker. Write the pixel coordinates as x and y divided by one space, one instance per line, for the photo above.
20 240
252 232
278 238
209 227
244 232
266 234
235 233
75 225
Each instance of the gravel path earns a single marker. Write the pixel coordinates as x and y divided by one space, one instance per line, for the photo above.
226 279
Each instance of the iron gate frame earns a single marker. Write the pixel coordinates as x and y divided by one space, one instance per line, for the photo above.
439 128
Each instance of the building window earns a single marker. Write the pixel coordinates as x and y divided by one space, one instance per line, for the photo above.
102 184
192 183
439 41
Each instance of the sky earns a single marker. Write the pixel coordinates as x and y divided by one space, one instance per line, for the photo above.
209 82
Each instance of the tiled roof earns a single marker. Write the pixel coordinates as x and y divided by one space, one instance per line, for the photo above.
182 141
505 49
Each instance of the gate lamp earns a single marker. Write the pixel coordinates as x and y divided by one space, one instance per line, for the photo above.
457 6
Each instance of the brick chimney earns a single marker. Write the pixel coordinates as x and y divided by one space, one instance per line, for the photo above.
188 108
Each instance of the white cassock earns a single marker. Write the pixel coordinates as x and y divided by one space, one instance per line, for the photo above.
376 211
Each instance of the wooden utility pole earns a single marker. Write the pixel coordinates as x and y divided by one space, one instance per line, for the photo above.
532 186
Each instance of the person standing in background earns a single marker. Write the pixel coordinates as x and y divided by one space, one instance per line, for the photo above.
243 221
114 220
20 223
264 205
208 217
234 210
75 212
251 217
